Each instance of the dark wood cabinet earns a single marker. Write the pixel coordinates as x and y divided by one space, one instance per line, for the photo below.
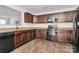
17 38
23 36
41 33
41 19
68 16
31 34
65 35
64 16
28 18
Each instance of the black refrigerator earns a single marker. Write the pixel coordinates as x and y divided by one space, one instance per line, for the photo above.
76 32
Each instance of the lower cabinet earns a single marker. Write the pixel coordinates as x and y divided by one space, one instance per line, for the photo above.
23 36
32 34
65 35
41 33
17 38
28 35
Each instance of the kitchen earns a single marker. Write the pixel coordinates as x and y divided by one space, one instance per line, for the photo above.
38 29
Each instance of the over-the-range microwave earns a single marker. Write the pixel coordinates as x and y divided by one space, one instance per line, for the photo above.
52 20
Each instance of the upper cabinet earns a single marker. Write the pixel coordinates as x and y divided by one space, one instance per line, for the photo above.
68 16
61 17
40 19
49 18
65 17
28 18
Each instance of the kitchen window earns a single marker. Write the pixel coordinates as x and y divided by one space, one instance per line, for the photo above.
9 21
4 21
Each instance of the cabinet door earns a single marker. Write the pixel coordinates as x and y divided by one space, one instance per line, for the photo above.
28 17
61 36
41 33
30 20
17 39
24 37
33 34
65 35
69 36
38 34
28 36
68 16
41 19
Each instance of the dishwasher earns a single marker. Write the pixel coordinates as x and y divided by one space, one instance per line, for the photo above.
6 42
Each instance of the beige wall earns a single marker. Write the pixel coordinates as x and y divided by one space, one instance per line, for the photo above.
69 25
6 12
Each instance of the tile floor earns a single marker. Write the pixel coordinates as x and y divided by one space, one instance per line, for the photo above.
44 46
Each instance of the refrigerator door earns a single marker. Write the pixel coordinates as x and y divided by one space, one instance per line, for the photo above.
52 33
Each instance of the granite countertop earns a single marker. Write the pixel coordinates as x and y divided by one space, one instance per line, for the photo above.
2 30
28 28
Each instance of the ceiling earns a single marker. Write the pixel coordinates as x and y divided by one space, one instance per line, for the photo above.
44 8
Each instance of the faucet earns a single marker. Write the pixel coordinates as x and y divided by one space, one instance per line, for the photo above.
17 24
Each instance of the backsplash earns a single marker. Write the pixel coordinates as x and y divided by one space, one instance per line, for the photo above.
63 25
